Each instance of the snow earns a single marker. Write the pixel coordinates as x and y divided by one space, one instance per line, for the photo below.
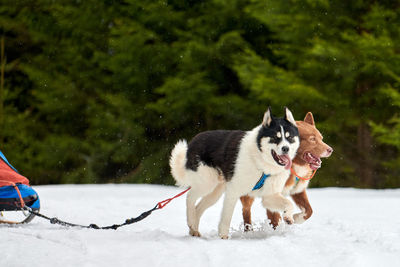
349 227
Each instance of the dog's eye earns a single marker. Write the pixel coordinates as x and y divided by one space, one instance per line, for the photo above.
290 139
313 139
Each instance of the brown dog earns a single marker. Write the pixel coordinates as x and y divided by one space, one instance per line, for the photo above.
306 162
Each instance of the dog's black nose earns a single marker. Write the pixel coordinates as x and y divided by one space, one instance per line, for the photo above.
285 149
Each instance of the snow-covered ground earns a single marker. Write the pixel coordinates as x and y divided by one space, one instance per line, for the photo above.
349 227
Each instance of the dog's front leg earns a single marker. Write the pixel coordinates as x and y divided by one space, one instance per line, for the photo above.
302 202
247 202
226 216
278 203
274 218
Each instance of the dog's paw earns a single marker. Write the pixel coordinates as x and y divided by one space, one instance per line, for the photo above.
194 233
274 225
248 227
224 236
299 218
288 220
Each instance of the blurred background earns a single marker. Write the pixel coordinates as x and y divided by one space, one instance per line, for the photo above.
96 91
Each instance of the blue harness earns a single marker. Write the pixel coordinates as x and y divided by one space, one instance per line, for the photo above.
261 182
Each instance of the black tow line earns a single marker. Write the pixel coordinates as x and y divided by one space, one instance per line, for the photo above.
142 216
55 220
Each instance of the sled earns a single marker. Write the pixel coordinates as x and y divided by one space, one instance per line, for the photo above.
16 195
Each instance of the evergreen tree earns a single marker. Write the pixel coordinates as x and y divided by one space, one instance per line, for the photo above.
347 51
99 91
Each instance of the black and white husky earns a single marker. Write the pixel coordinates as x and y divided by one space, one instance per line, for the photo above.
233 162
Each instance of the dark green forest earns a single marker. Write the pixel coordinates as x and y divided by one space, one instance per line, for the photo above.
99 91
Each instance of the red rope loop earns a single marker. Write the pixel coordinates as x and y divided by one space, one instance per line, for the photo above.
163 203
302 178
21 200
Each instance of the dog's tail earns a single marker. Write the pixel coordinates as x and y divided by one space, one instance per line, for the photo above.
177 162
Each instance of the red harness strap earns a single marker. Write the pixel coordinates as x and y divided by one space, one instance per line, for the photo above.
163 203
302 178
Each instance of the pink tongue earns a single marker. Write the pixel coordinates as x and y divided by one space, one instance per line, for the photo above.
287 160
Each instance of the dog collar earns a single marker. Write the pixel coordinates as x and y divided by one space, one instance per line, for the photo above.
261 182
302 178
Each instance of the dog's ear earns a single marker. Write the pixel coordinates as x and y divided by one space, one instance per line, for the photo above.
289 116
309 118
267 118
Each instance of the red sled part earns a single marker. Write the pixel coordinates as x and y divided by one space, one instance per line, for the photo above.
9 175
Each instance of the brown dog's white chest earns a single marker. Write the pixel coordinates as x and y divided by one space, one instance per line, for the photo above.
293 185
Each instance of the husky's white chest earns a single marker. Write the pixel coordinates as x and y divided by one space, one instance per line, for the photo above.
271 185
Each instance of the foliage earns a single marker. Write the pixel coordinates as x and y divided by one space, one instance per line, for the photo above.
99 91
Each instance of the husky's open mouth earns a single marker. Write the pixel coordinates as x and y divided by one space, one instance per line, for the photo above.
283 160
313 161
